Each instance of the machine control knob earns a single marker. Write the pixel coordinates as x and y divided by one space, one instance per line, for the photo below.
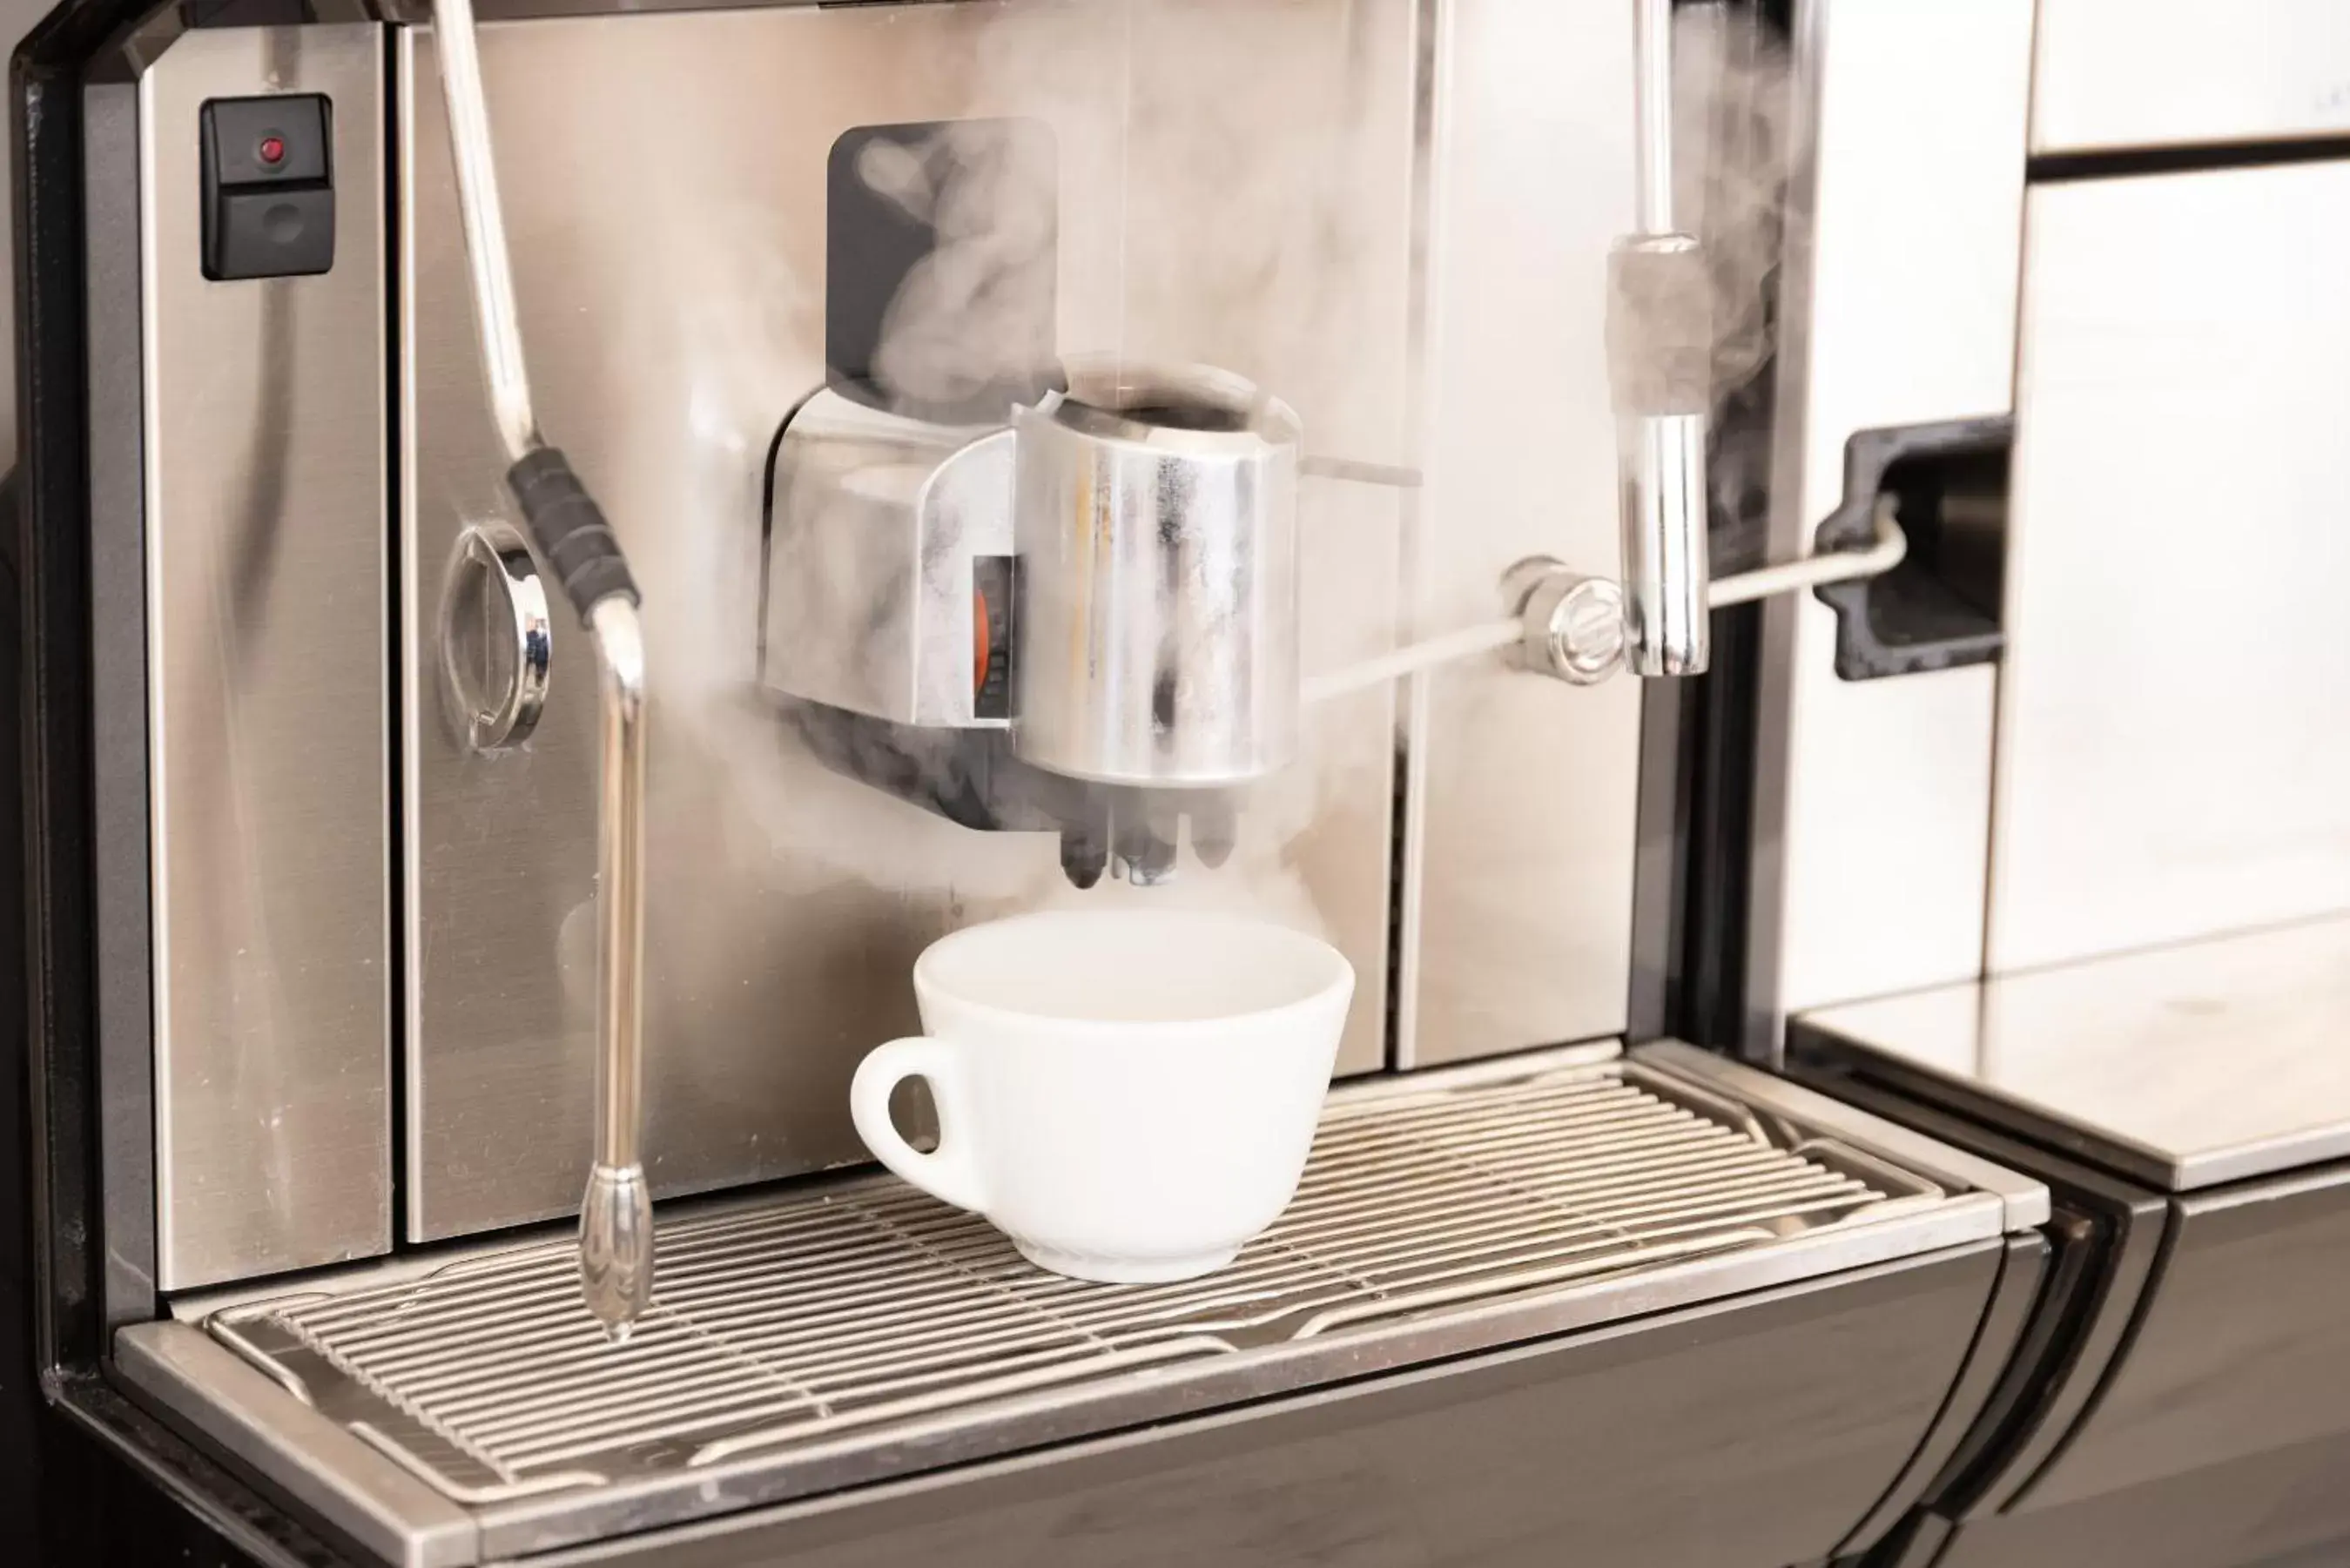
1573 624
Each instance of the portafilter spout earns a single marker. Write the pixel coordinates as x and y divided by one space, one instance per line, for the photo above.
615 1217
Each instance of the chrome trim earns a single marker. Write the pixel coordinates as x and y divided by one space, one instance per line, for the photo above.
1556 632
483 216
1663 491
615 1214
253 1355
2023 1202
498 555
313 1459
1662 442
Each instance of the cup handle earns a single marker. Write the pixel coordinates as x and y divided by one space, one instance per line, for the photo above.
950 1171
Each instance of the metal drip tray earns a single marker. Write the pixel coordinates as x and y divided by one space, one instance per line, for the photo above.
871 1304
840 1334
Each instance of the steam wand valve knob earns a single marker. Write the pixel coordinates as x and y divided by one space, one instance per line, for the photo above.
1572 626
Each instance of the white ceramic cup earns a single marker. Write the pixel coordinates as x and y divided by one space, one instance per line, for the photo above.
1128 1094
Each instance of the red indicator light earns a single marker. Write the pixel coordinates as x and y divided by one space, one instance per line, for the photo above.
981 647
273 150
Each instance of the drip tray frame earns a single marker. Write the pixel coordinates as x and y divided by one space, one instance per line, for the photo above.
454 1408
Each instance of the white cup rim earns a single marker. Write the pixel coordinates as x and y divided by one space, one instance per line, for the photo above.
1339 977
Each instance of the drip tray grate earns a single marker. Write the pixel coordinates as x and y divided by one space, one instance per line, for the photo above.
864 1311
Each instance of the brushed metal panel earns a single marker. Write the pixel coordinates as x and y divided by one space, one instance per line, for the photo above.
1244 202
2184 1067
1518 895
2175 470
1874 797
269 718
2161 73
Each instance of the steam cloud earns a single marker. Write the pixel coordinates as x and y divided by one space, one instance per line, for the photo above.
1225 192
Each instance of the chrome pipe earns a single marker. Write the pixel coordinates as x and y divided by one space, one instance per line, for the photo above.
616 1230
1660 352
1652 110
1662 498
615 1214
483 216
1561 622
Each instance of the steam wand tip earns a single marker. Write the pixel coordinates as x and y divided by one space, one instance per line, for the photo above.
615 1248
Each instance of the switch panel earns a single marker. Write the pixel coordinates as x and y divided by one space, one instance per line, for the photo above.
269 186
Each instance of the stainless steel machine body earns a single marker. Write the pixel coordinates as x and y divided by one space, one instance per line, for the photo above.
248 500
784 902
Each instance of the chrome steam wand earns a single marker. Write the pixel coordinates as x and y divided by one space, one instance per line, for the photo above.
1582 629
615 1217
1659 349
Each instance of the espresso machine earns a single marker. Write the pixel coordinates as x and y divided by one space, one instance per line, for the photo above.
558 549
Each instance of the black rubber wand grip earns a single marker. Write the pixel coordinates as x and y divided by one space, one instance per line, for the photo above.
571 532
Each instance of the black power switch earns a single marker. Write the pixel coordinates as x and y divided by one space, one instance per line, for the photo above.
269 186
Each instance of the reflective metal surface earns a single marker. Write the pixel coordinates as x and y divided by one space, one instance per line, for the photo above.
664 188
2185 1066
2023 1200
1663 510
1572 627
1518 851
1663 393
1155 515
1873 799
473 161
616 1213
2160 73
269 709
495 576
871 590
852 1331
391 1514
2151 788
